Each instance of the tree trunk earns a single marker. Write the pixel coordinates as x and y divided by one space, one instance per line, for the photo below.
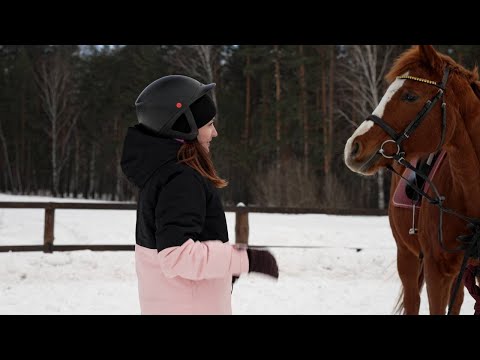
91 172
278 126
118 157
246 129
54 158
278 94
64 180
264 137
119 194
28 169
21 156
265 109
317 108
76 166
330 108
18 171
8 166
35 181
326 168
304 111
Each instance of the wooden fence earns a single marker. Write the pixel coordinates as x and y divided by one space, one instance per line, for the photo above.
241 221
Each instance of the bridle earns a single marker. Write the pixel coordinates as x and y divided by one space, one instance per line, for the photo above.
470 243
398 138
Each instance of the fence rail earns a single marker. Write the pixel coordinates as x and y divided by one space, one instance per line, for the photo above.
241 221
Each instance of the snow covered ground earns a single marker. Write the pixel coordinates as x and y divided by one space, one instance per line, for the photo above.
352 271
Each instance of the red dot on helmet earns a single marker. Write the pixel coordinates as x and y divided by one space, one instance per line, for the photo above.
179 105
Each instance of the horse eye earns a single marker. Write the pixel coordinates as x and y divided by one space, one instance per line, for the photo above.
409 97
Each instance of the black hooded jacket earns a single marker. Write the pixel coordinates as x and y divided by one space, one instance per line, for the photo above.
175 202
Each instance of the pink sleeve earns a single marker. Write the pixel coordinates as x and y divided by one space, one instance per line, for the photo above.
197 260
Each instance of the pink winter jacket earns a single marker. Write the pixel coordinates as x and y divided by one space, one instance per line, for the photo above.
194 278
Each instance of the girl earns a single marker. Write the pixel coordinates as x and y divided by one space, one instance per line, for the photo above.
184 262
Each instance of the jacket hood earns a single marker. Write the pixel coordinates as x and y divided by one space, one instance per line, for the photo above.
143 154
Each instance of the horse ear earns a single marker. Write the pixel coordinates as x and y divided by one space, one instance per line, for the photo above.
430 56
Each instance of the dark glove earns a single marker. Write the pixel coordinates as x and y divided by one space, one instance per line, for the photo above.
262 261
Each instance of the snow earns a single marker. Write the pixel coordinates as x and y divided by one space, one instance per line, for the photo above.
341 265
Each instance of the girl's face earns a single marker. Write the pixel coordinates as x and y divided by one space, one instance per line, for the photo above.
206 133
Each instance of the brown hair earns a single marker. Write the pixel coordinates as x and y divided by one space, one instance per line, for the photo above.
194 155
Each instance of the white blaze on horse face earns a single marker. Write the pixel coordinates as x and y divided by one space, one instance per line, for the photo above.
392 89
367 124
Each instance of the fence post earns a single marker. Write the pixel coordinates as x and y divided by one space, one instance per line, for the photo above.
48 230
241 224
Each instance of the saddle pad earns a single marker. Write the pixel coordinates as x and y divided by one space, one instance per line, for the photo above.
400 198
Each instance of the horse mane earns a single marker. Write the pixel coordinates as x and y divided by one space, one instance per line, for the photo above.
413 57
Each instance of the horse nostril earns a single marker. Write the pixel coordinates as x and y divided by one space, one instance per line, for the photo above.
355 149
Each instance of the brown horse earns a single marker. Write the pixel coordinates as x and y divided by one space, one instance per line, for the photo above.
410 123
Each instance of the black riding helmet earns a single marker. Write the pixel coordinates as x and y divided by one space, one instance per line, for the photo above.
162 102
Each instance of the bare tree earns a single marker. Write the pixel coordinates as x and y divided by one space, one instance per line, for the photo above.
299 191
362 75
53 77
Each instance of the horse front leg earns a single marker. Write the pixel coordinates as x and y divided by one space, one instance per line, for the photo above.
439 286
410 270
457 305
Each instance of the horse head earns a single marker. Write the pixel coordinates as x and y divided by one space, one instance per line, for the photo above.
412 118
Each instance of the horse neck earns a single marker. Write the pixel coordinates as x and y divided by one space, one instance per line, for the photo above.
464 151
472 122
